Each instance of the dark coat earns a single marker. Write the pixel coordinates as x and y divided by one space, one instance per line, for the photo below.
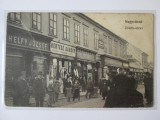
104 86
124 94
148 83
38 87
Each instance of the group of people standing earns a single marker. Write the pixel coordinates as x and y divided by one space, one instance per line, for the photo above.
120 90
39 89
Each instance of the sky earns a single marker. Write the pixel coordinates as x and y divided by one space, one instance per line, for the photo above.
139 34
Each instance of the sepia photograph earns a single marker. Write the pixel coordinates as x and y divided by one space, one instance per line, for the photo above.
79 60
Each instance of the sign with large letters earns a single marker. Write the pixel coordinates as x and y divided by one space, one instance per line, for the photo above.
62 49
27 40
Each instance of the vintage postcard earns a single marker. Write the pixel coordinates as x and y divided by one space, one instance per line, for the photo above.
79 60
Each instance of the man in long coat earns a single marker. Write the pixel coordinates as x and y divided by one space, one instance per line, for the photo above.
39 90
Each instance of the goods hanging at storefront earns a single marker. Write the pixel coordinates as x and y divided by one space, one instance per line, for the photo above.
87 63
61 59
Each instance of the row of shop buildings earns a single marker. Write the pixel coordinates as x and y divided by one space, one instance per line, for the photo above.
60 43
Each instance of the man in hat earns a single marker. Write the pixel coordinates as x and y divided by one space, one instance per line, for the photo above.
21 90
39 90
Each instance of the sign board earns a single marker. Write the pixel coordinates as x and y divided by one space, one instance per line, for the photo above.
25 39
62 49
86 55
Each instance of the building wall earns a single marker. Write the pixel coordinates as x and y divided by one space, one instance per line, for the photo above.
26 24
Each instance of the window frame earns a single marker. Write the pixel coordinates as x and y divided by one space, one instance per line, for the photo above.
77 30
54 24
67 29
36 21
17 21
86 37
105 43
96 39
110 46
116 47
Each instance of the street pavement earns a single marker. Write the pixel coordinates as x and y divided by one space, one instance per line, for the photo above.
83 103
89 103
97 102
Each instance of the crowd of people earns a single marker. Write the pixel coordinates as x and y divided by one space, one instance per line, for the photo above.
118 90
22 91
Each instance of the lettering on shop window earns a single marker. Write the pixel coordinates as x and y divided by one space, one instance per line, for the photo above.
22 41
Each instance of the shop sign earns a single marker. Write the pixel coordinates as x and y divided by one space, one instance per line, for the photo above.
62 49
113 62
86 55
24 40
125 65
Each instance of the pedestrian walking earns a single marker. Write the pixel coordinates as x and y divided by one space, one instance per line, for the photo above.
148 83
117 96
50 90
61 85
133 97
56 89
39 90
76 90
90 88
69 88
123 93
103 88
64 84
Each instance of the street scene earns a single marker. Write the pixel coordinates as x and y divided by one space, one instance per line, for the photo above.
72 60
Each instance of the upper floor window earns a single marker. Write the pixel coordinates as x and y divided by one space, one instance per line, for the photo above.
116 47
15 17
66 29
106 44
86 38
124 50
77 33
36 21
96 38
101 42
121 49
53 24
110 46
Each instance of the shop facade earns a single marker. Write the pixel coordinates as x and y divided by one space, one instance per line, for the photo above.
26 52
111 65
62 60
86 64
